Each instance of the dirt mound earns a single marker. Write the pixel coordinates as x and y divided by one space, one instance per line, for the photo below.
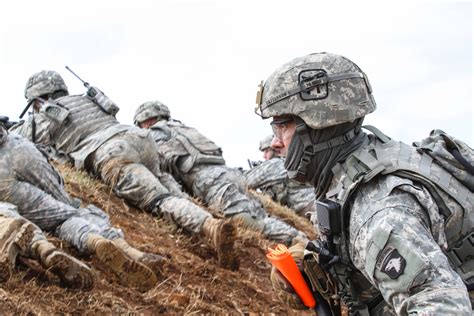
190 282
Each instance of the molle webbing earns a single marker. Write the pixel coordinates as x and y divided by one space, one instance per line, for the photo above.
85 118
417 166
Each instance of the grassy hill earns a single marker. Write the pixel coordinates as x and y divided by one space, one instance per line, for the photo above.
191 281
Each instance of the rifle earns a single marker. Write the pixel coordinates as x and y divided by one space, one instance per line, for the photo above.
6 122
253 164
98 96
27 107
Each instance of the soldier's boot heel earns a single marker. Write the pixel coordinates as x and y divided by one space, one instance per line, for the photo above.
72 272
221 235
226 254
15 240
153 261
130 272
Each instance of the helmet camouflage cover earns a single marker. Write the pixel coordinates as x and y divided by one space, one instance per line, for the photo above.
266 143
149 110
44 82
322 89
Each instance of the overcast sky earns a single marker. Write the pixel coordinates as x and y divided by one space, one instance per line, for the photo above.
204 59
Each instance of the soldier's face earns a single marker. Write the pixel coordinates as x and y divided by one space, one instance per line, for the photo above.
268 154
283 131
148 123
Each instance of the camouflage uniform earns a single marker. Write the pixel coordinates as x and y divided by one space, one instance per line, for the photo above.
85 130
28 181
402 213
198 163
10 211
271 178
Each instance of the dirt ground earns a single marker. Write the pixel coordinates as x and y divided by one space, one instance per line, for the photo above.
191 282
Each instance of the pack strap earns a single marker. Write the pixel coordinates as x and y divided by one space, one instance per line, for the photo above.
380 135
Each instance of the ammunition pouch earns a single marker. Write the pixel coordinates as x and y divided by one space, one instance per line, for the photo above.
320 280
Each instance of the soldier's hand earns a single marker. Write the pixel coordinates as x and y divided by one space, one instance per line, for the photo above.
282 287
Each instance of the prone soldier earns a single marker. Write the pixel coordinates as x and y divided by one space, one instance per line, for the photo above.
84 129
198 163
271 178
36 190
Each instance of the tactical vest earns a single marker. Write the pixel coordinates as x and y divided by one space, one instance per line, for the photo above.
454 199
186 147
84 118
449 184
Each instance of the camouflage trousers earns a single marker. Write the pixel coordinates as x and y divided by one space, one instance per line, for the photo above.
75 229
10 211
129 164
224 188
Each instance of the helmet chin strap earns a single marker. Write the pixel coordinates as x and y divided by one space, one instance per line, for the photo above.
310 149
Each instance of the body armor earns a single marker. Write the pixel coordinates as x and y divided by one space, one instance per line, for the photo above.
185 146
454 199
85 127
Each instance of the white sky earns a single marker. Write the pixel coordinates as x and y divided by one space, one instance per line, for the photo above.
204 59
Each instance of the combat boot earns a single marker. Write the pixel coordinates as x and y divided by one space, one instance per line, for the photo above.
16 236
221 235
72 272
129 271
151 260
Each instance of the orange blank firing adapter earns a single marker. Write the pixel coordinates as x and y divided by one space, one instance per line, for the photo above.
281 259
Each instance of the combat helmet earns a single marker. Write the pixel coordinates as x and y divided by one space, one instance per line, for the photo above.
322 89
149 110
45 82
266 143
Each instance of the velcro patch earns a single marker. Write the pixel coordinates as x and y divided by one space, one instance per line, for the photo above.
391 263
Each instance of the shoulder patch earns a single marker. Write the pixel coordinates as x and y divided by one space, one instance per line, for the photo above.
391 263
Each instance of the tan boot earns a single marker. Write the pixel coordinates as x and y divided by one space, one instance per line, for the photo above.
151 260
129 271
72 272
221 235
16 235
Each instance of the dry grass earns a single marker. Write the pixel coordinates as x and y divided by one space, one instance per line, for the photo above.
191 281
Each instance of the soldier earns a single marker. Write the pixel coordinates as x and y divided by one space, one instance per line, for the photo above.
395 228
198 163
20 237
271 178
266 148
30 183
84 129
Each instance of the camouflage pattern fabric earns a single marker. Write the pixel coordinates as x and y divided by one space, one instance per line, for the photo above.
44 82
218 186
341 84
272 179
28 181
265 143
149 110
389 220
128 163
10 211
122 155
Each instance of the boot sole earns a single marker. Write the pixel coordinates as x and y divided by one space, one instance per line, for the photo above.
130 273
70 270
227 257
16 243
